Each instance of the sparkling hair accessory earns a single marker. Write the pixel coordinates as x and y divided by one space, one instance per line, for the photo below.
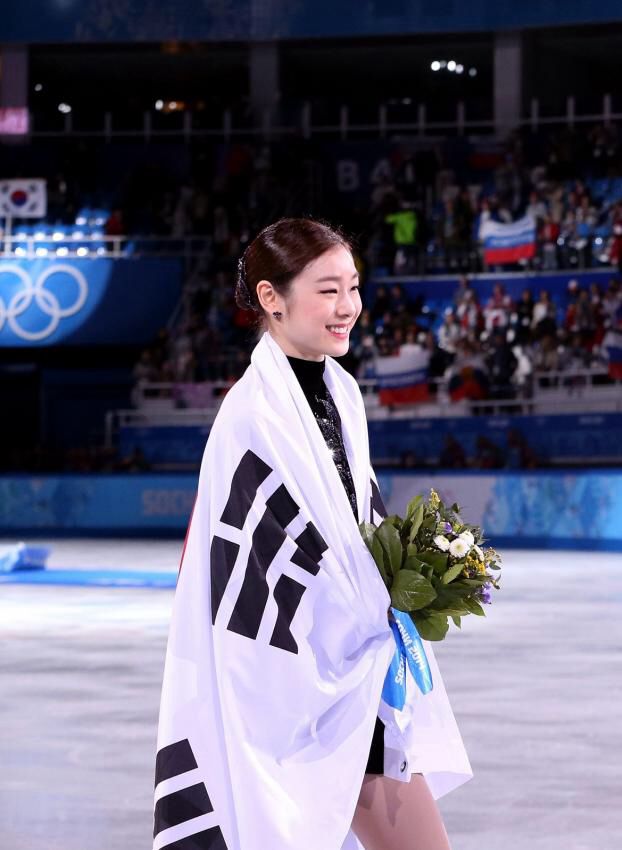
243 295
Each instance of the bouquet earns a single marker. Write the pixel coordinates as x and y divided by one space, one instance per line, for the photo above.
434 565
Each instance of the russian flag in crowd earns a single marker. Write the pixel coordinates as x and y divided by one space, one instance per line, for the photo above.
508 243
403 377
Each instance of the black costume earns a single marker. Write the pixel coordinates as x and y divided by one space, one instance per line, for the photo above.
310 374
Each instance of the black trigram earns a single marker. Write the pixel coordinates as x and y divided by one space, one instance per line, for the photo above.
185 804
268 537
376 504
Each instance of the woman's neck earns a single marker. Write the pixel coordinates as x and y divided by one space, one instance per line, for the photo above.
292 351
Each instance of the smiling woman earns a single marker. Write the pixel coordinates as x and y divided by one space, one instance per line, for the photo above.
299 277
270 732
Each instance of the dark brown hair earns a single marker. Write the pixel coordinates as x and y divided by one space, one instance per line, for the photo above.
279 253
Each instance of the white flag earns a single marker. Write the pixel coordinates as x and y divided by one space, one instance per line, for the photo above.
279 641
23 198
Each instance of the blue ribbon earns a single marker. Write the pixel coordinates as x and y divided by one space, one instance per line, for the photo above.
409 653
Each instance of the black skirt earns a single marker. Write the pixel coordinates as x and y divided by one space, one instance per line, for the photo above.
375 762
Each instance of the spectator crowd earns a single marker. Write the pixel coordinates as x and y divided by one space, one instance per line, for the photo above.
491 348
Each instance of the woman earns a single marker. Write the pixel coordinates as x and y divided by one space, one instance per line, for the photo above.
279 641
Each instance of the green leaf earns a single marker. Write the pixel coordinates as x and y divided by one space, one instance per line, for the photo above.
448 603
451 611
461 588
389 538
367 532
411 591
412 506
431 626
437 560
411 559
395 520
416 520
452 573
457 622
474 607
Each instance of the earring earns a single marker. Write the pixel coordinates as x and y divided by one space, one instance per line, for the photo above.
277 315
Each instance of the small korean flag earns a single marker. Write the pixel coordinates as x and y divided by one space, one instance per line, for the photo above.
23 198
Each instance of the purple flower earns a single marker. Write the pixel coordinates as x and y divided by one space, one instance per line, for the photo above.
448 527
484 593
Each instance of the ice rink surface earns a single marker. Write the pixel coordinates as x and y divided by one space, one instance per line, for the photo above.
536 688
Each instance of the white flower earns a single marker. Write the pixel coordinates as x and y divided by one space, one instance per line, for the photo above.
467 537
478 552
441 542
458 547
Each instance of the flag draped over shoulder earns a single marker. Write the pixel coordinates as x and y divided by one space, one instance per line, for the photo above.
279 641
508 243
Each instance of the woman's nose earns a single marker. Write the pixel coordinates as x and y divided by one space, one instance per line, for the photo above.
346 305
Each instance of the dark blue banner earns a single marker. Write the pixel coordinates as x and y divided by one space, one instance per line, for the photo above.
169 445
498 441
86 302
441 289
261 20
501 441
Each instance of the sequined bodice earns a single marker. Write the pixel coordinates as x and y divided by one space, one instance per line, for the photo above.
310 374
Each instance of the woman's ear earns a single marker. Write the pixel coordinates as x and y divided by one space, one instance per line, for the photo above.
266 295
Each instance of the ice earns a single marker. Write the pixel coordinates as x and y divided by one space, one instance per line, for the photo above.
536 687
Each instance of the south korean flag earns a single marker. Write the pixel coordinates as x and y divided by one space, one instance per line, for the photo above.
23 198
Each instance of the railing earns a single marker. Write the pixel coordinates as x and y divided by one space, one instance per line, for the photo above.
587 391
267 126
71 245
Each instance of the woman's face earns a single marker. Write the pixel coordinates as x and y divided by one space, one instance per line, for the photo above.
323 304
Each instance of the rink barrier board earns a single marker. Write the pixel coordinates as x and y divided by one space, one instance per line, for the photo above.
565 509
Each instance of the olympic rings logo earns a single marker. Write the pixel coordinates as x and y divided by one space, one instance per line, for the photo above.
34 292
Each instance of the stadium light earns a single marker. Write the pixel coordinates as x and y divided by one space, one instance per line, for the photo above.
472 72
62 251
451 65
41 252
436 65
64 108
82 252
38 87
159 104
459 69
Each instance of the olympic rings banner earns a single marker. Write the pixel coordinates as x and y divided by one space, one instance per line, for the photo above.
86 302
